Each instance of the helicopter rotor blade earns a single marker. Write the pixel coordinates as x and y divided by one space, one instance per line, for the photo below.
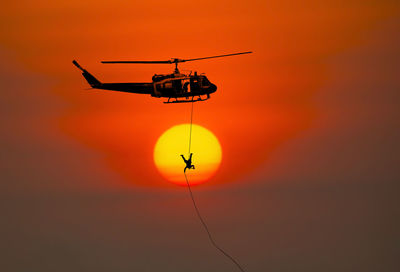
219 56
137 61
173 60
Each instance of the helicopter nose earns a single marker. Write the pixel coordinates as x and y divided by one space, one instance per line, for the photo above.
213 88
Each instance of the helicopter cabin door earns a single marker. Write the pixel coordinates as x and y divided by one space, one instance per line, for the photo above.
185 86
177 85
194 84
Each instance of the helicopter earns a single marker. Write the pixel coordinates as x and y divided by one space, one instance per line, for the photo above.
177 87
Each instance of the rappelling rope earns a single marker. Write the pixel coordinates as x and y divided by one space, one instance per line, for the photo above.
197 210
191 123
208 231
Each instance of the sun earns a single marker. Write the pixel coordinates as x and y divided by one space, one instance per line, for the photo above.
207 154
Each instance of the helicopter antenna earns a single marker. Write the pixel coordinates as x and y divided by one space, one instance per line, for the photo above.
171 61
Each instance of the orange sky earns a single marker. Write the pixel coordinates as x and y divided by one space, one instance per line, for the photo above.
308 125
263 99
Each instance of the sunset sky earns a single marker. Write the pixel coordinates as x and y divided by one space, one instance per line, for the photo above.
308 125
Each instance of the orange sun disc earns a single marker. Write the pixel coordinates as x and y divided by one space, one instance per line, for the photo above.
174 142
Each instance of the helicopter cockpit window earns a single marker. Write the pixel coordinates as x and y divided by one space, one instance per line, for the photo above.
206 82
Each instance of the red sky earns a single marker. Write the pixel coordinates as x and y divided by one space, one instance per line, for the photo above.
308 126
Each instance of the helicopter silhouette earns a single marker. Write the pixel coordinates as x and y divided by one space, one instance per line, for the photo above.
179 87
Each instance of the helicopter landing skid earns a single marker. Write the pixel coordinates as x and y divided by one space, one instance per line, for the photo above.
186 100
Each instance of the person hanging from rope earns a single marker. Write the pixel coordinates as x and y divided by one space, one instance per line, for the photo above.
188 162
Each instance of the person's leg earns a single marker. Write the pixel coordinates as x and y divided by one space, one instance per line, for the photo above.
184 170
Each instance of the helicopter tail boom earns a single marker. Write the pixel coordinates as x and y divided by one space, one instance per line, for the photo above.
93 82
139 88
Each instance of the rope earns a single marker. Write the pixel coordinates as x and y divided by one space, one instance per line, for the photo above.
191 123
197 210
208 231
